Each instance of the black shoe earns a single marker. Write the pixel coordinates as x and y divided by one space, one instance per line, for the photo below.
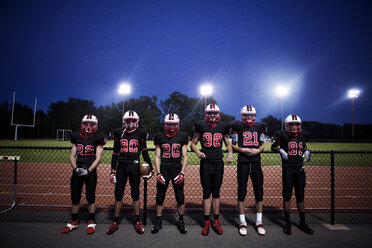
304 227
287 229
181 227
157 225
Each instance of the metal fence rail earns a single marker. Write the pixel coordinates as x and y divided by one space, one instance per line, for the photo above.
337 182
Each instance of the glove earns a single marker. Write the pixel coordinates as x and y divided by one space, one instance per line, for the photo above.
81 172
113 177
149 175
179 178
283 154
306 155
160 179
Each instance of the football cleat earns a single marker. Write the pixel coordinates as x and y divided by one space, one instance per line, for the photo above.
69 227
304 227
181 227
91 227
243 229
205 230
157 225
287 229
260 229
139 228
113 228
217 227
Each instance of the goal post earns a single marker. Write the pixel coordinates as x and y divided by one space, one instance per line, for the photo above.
63 134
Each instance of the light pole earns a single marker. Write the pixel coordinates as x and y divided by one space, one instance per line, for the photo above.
206 90
353 93
282 91
124 89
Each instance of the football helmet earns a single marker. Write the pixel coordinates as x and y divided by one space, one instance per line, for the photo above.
212 114
293 124
89 124
248 115
171 124
130 121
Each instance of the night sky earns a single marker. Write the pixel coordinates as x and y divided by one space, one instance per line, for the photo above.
56 49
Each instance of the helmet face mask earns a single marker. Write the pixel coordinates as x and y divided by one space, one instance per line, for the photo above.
89 124
171 124
293 124
248 115
130 121
212 114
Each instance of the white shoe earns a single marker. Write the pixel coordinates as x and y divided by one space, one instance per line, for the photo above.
260 229
243 229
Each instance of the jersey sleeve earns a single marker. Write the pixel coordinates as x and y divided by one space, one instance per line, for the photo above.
73 138
142 140
197 127
227 129
116 136
234 128
157 139
101 139
278 136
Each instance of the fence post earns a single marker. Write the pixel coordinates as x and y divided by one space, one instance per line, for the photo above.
332 187
145 202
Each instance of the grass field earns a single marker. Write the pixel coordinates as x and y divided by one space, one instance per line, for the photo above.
62 155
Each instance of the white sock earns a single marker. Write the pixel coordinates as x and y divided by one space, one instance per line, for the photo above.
242 218
258 218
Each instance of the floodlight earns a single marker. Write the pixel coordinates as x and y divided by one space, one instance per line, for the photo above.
353 93
125 89
206 90
282 91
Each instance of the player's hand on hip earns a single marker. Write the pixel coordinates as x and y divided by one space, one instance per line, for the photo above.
113 177
283 154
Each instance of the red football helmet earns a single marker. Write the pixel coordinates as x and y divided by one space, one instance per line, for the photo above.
171 124
89 124
293 124
212 114
248 115
130 121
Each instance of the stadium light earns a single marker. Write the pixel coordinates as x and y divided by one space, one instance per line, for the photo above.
124 89
206 90
282 92
352 93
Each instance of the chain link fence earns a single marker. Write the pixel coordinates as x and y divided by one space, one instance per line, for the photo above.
338 188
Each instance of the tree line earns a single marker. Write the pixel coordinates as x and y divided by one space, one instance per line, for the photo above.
68 115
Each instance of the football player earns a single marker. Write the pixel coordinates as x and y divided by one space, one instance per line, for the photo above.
170 165
249 144
85 156
129 142
291 145
211 132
